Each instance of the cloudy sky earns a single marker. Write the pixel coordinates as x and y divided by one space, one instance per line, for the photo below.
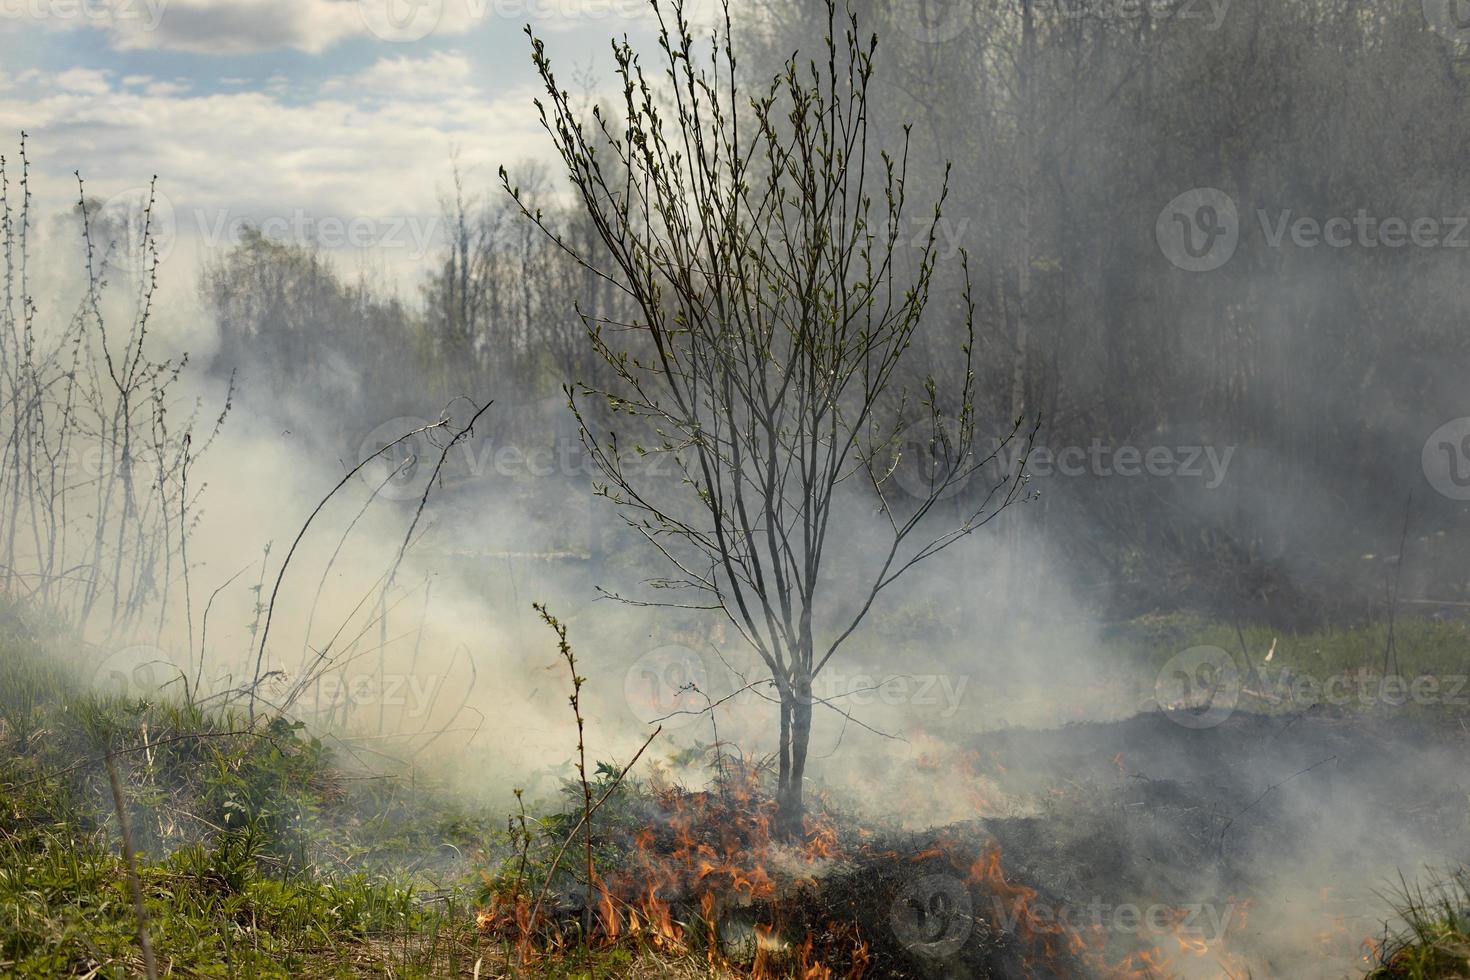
330 119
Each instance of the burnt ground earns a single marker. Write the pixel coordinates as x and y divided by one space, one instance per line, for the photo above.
1286 831
1265 846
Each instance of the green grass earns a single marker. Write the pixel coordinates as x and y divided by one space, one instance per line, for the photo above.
262 852
1423 644
259 855
1435 653
1436 943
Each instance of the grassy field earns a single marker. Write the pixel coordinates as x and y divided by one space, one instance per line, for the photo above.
259 854
1340 669
262 855
1436 944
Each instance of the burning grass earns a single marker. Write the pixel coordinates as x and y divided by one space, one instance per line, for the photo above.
699 874
1131 866
263 858
683 871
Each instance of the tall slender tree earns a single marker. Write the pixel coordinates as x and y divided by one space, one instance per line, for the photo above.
760 241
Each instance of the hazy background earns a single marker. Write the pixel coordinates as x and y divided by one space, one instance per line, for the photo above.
1243 424
1220 250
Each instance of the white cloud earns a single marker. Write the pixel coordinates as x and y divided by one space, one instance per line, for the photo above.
444 74
235 27
241 26
112 15
372 148
87 81
168 88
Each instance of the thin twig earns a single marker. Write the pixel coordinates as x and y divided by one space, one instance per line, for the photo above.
130 859
280 577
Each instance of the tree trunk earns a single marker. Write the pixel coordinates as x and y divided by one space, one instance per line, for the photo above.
796 733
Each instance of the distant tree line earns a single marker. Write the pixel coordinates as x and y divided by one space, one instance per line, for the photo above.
1320 368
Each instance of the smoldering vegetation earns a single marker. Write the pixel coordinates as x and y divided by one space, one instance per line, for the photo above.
1215 255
